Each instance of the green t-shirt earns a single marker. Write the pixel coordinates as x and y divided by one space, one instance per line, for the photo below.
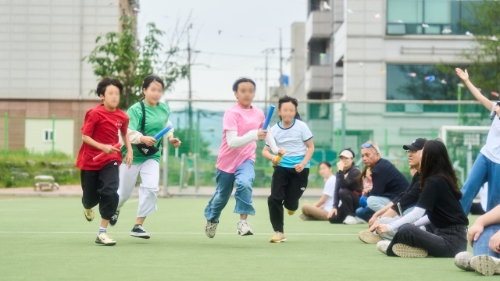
156 119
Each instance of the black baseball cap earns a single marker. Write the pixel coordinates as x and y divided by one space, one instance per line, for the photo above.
416 145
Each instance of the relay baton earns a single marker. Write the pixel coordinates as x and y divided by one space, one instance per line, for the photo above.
268 117
162 132
278 159
100 155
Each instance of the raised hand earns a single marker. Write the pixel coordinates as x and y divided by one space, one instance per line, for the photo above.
462 74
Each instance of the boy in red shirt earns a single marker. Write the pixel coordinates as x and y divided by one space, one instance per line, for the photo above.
99 134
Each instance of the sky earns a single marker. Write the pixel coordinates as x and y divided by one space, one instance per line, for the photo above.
230 36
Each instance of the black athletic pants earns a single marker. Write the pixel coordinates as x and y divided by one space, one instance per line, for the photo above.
100 187
443 242
287 187
350 202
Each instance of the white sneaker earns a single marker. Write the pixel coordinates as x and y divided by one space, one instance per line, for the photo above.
104 239
383 245
89 214
350 220
210 229
486 265
369 237
244 228
462 261
360 220
405 251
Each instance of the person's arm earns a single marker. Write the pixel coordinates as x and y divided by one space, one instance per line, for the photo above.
422 221
129 157
271 142
307 157
379 181
348 181
380 213
106 148
233 141
89 124
411 217
321 201
491 217
464 75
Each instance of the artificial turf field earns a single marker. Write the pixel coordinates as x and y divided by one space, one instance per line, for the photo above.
49 239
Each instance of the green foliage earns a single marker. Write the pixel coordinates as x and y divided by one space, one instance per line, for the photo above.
484 24
18 168
120 55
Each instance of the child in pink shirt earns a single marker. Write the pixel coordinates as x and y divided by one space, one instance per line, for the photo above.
241 128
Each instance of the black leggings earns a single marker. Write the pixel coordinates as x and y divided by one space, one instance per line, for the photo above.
350 202
286 189
443 242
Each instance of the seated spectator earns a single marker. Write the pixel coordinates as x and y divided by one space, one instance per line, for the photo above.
406 200
347 190
366 182
320 209
388 182
440 201
484 237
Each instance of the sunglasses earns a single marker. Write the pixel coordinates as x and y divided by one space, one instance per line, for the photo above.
368 145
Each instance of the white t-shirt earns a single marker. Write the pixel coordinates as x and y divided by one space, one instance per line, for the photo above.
492 147
328 190
293 140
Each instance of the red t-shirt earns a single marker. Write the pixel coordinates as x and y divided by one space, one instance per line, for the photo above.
102 126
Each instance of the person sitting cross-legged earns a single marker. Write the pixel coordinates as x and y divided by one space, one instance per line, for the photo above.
440 201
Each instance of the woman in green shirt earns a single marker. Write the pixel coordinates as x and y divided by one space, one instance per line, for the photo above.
145 162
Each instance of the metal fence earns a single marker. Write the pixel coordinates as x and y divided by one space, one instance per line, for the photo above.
334 124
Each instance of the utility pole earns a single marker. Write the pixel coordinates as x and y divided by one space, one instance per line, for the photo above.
190 94
281 62
266 95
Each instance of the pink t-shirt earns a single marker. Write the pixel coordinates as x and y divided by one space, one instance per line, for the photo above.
243 121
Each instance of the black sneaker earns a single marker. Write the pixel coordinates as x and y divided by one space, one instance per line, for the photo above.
114 218
139 232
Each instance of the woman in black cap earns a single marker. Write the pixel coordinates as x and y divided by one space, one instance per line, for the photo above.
347 190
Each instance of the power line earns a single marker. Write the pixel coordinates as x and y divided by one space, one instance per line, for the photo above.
231 55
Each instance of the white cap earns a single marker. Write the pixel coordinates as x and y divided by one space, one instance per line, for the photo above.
346 154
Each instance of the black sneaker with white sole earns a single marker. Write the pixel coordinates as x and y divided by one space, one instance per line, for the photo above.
114 218
139 232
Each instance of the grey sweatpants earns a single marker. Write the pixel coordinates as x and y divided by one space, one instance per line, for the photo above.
148 190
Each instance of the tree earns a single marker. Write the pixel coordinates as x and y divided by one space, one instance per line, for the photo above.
484 24
120 55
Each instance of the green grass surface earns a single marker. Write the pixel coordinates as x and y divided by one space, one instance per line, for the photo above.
49 239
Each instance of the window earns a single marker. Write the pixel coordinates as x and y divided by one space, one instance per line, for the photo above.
421 82
426 16
319 50
48 135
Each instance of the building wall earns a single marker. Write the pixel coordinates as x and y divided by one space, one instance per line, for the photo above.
42 43
20 110
298 61
36 141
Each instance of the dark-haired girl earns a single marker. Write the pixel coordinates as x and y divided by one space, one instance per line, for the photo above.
148 165
347 190
290 175
440 202
320 209
241 128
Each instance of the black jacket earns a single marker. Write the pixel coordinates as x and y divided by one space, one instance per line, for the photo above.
346 179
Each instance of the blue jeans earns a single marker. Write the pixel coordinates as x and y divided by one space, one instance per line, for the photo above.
374 203
481 245
243 177
483 170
